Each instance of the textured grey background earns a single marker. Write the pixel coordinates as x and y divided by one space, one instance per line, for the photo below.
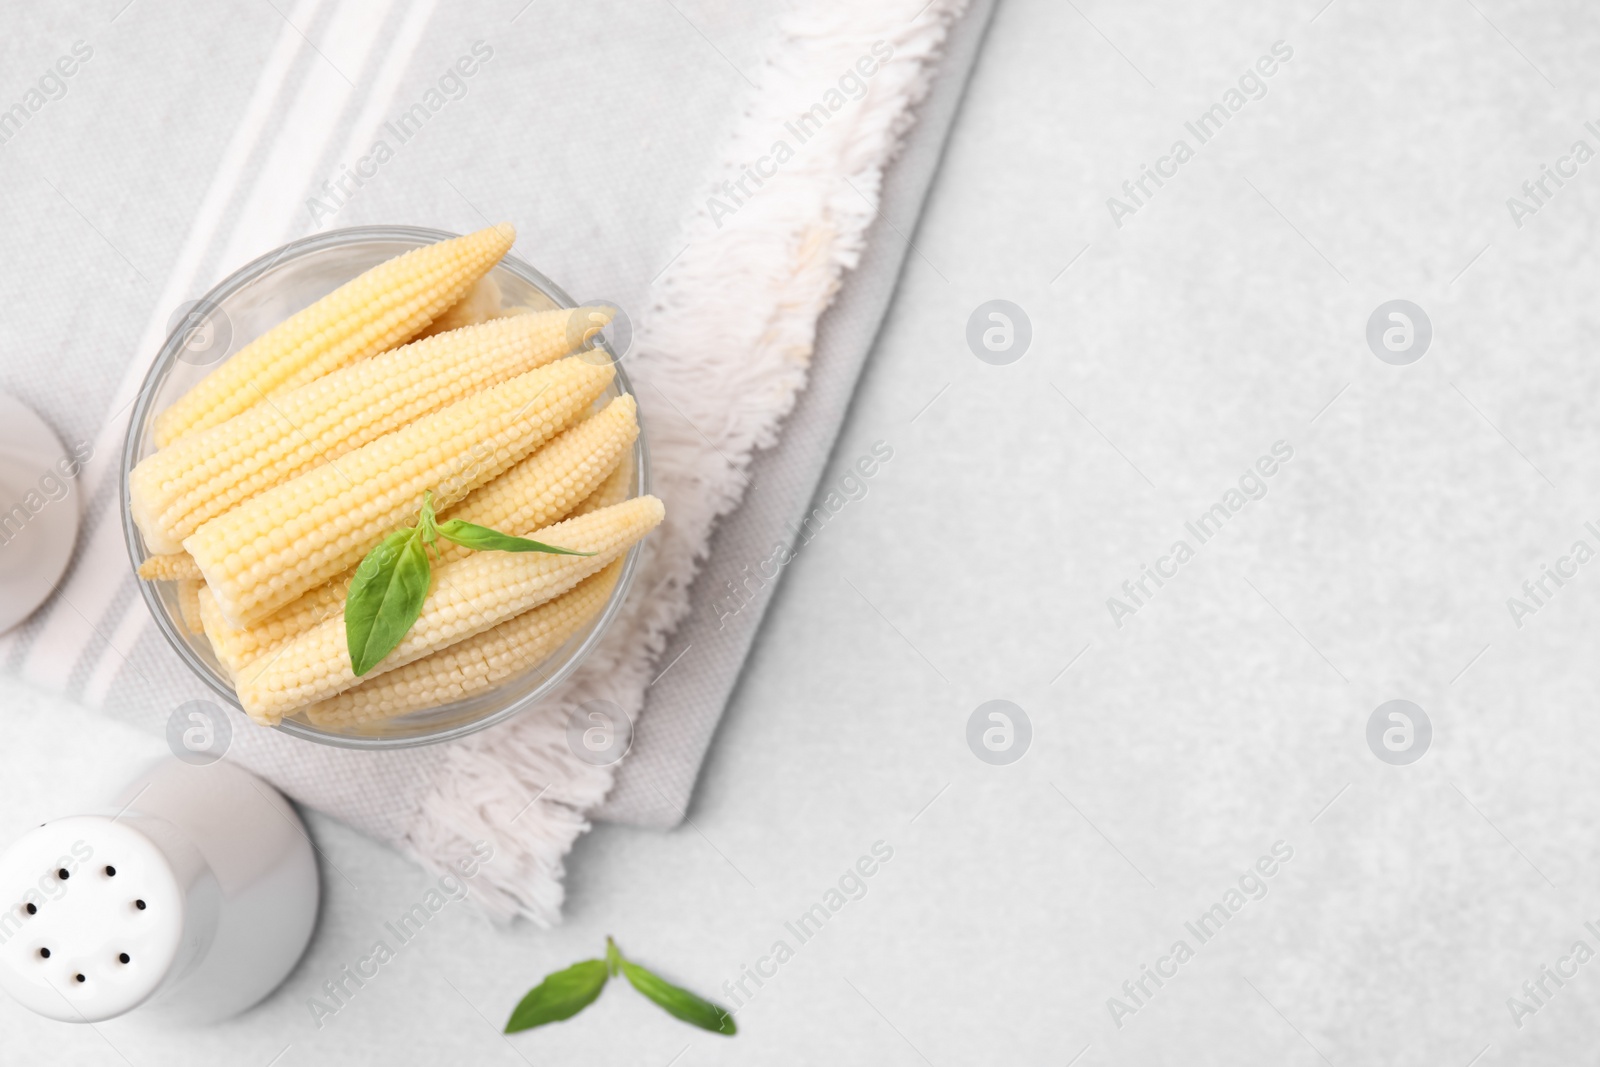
1176 750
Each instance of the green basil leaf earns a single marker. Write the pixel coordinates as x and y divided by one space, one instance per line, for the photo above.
427 521
385 598
679 1002
561 995
471 535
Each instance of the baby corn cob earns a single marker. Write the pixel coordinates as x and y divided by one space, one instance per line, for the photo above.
468 596
534 493
472 665
375 311
173 567
189 605
174 491
239 646
481 304
614 490
290 539
549 484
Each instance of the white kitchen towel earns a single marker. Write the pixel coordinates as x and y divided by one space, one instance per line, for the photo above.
726 335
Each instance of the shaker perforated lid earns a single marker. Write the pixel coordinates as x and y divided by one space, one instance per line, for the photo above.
91 918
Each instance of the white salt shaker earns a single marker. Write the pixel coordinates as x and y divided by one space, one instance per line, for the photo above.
189 900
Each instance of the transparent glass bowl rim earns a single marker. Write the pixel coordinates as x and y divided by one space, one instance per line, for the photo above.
141 415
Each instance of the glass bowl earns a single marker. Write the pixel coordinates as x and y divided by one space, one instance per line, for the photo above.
243 307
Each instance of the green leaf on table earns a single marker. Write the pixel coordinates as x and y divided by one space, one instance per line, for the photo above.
613 957
385 598
561 995
481 538
565 993
678 1001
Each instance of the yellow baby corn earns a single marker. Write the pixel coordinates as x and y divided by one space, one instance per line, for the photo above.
541 489
468 596
172 567
189 605
472 665
549 484
614 490
174 491
290 539
216 629
375 311
238 646
481 304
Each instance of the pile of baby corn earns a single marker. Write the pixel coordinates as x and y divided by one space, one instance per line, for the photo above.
279 472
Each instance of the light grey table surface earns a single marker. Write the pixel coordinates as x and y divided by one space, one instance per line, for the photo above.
1228 714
